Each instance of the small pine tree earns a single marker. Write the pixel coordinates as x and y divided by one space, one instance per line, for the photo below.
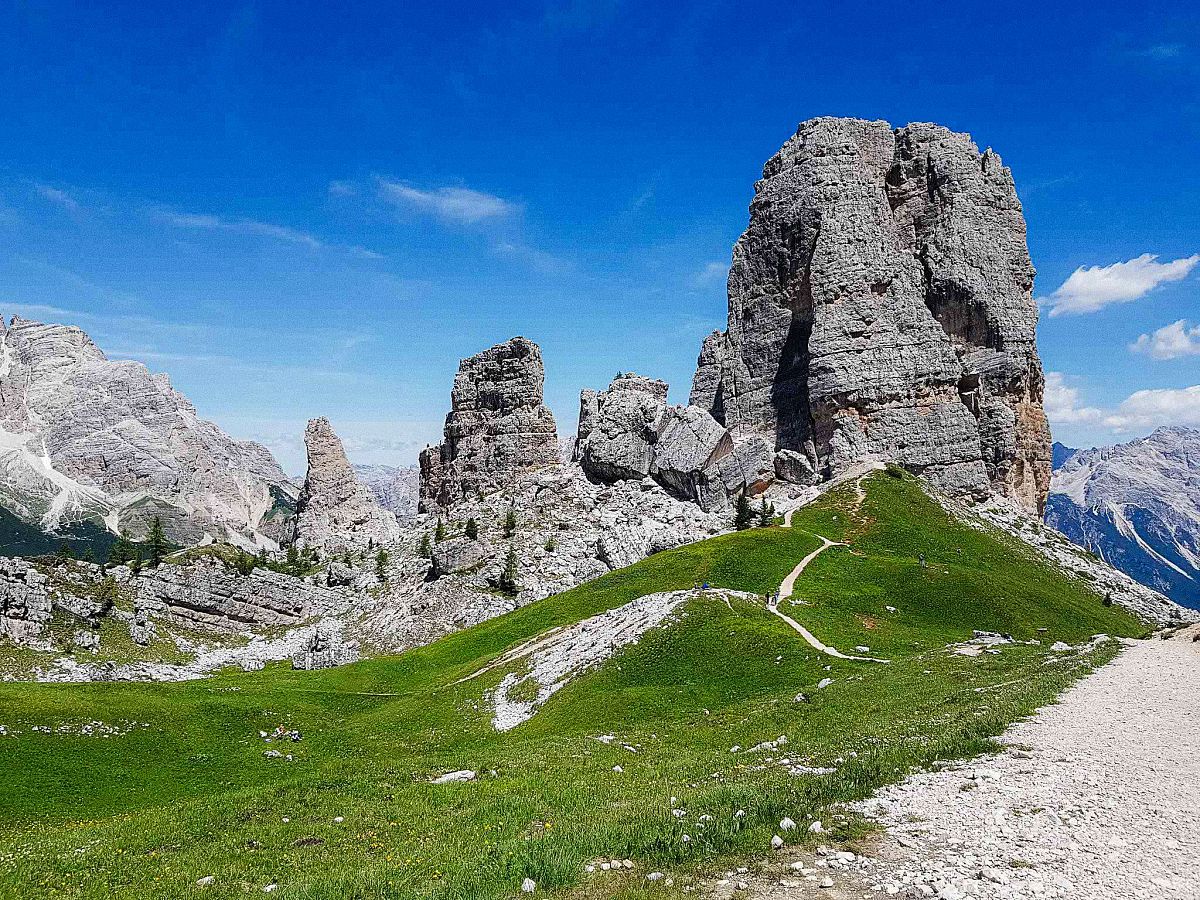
472 529
135 564
439 533
743 514
381 561
120 552
551 544
424 549
766 513
508 577
510 522
65 551
157 542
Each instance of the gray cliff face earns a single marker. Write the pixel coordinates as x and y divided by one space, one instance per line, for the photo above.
335 512
82 436
880 306
630 432
395 488
497 430
1137 506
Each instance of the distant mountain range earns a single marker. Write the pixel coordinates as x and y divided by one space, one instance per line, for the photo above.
1137 506
91 447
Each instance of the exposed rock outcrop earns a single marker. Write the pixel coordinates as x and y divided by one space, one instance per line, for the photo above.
209 594
880 306
24 601
324 651
630 432
498 428
1137 507
86 437
335 512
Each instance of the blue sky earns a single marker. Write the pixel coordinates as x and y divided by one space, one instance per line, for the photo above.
298 210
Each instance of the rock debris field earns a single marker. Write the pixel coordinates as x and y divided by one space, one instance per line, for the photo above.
1097 797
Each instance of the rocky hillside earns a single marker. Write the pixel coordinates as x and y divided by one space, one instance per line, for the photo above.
83 437
1137 506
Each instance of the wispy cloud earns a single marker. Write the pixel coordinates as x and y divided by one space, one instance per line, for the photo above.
258 229
1172 341
58 197
452 204
1162 51
205 222
1141 410
536 259
342 189
710 274
1091 288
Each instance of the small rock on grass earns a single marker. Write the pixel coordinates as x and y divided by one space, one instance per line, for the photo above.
528 886
206 881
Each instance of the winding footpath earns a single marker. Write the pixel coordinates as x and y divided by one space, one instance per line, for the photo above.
789 584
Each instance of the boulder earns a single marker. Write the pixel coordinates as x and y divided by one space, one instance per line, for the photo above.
458 554
617 440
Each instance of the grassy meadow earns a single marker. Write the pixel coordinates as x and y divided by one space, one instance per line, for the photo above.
184 790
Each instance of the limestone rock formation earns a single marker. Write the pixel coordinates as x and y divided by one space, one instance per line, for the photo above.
630 432
24 601
324 651
209 594
86 437
497 430
335 512
880 306
458 555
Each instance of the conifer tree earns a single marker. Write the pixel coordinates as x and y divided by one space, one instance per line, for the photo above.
472 529
157 542
508 577
743 514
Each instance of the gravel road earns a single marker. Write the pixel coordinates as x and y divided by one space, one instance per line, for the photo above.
1097 797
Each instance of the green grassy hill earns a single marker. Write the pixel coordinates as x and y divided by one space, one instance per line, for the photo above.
186 792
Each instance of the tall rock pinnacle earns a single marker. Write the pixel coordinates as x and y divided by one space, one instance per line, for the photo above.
336 513
497 428
880 306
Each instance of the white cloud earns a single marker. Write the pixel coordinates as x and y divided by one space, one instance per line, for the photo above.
342 189
1160 406
58 197
1140 411
1091 288
1170 342
254 228
242 226
453 204
1061 403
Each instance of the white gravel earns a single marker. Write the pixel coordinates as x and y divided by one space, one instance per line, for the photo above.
1097 798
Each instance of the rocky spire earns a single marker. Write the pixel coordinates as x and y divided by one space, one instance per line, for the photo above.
880 306
335 512
497 429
